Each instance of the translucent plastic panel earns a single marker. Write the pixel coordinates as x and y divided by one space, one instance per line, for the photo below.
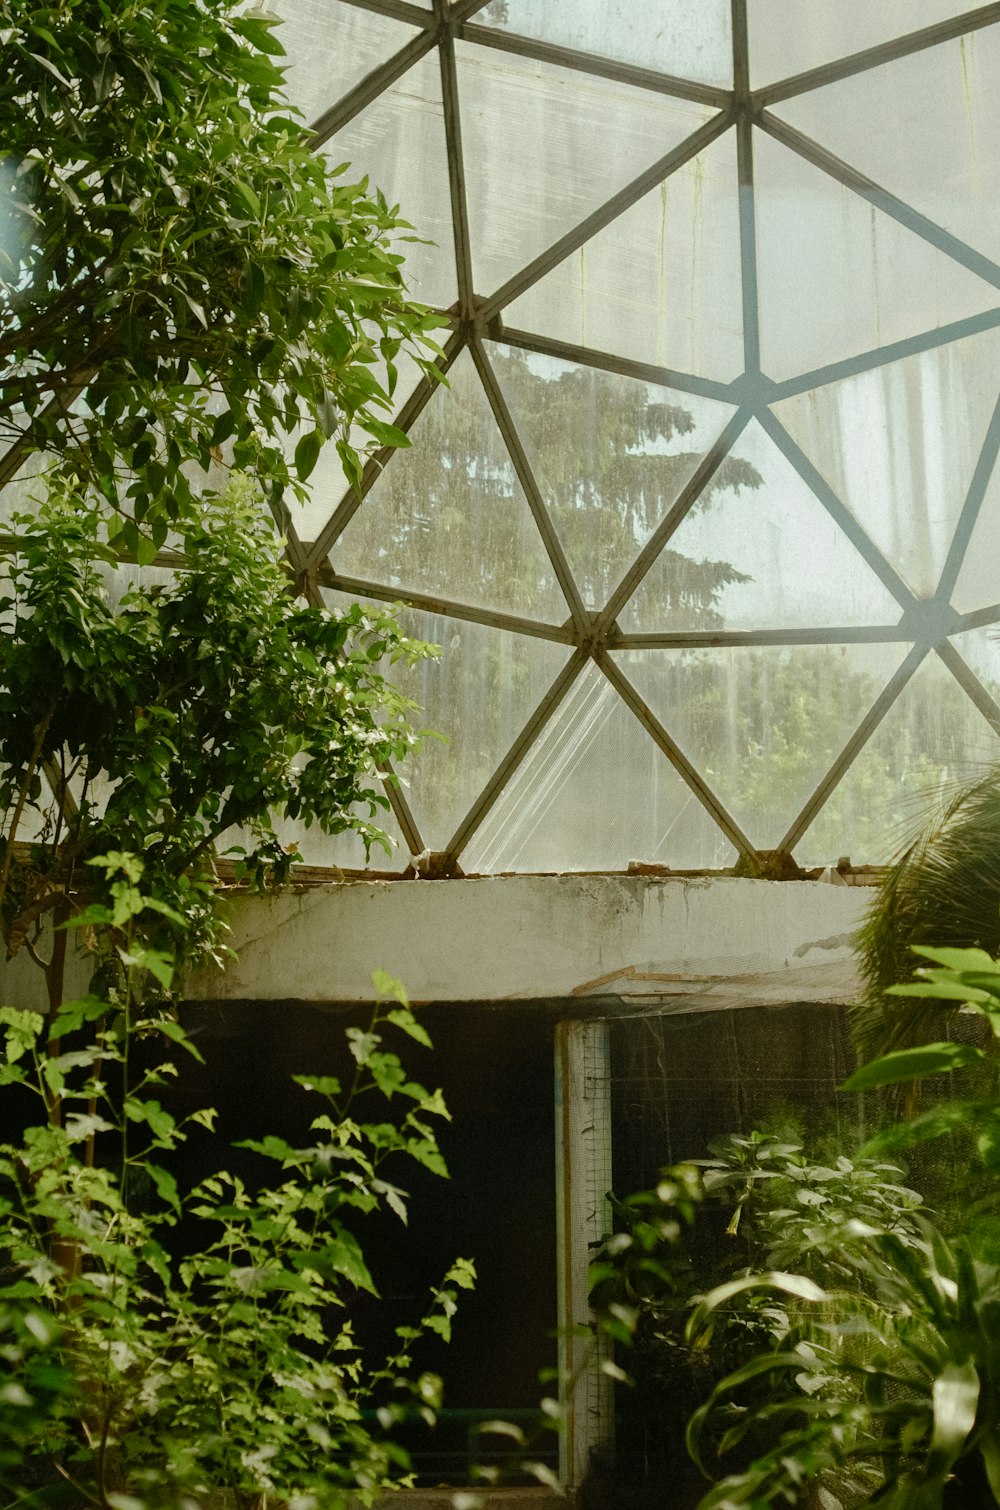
931 738
594 793
838 277
479 697
763 725
924 127
758 551
399 143
978 584
980 649
787 38
545 146
899 444
449 516
331 47
691 42
661 284
610 455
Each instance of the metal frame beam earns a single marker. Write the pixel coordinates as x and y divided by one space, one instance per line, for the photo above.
610 210
715 809
699 479
592 63
875 57
411 411
446 607
835 167
854 745
515 755
818 484
369 88
533 493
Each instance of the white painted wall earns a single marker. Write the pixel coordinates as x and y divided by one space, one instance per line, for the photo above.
512 937
720 940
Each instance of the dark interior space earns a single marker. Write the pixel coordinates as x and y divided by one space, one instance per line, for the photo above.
495 1068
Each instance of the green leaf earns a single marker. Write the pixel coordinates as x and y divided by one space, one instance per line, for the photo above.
797 1285
307 453
955 1395
912 1064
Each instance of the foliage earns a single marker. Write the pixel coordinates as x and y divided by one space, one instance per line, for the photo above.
179 271
899 1372
761 1205
152 1373
945 887
209 706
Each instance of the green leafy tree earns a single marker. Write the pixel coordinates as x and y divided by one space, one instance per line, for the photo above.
161 724
179 272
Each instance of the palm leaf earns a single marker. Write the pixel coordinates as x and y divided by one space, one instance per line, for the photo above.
943 890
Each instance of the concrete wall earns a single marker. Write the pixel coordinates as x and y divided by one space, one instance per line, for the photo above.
528 937
721 940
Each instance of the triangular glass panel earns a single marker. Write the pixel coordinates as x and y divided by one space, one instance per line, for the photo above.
838 277
932 739
758 551
399 142
661 284
762 724
610 455
899 445
980 649
593 793
478 696
546 146
449 517
783 42
923 127
667 35
331 47
978 584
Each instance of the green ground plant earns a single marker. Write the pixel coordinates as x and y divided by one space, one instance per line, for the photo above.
894 1358
141 1375
167 1343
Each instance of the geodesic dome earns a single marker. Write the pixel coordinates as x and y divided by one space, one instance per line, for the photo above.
704 513
705 520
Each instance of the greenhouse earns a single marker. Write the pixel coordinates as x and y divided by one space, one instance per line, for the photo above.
501 511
